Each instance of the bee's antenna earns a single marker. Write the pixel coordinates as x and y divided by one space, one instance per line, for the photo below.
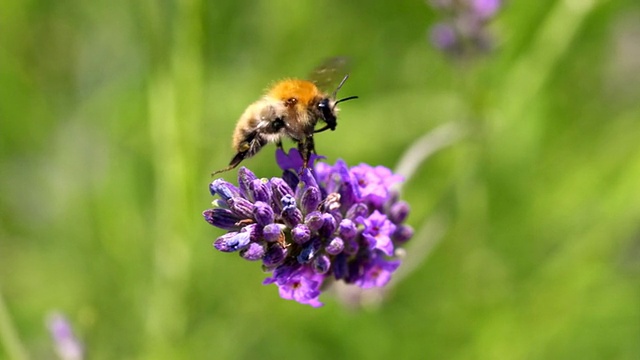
335 92
345 99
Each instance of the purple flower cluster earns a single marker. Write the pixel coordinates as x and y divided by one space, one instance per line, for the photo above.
465 29
312 226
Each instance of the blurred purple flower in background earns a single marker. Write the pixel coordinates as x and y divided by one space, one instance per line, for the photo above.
313 226
66 344
464 30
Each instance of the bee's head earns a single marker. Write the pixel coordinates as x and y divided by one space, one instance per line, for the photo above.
327 106
328 112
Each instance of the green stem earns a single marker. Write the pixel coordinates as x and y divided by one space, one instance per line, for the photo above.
9 335
174 99
525 80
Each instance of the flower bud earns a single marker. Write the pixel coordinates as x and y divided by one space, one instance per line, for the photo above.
223 188
328 227
347 229
280 189
221 218
261 190
274 255
263 213
357 210
301 234
291 215
245 177
272 233
402 234
309 251
398 212
241 207
310 199
232 241
321 264
314 220
335 246
253 252
306 176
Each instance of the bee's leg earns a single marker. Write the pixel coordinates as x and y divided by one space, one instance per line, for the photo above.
237 159
302 150
306 148
248 148
234 162
326 127
279 145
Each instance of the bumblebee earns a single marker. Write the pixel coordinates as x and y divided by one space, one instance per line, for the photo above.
291 108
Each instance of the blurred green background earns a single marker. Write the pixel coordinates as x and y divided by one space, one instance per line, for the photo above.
114 113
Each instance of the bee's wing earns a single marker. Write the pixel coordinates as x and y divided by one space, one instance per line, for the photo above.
330 73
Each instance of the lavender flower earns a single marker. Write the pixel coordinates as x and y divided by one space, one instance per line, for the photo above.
464 29
67 346
313 226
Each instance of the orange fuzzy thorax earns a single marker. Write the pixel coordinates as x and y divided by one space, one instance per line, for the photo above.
301 90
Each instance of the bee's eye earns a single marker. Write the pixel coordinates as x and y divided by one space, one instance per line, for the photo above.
325 110
277 124
291 102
